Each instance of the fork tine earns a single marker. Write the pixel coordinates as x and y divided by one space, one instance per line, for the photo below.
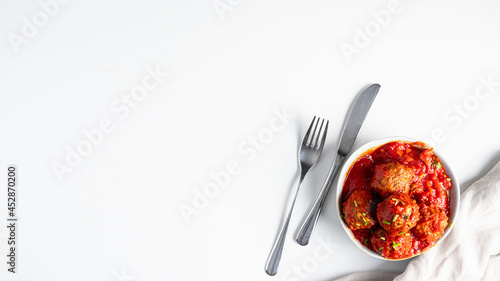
311 141
306 137
315 143
324 136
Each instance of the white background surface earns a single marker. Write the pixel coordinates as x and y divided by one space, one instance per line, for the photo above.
116 215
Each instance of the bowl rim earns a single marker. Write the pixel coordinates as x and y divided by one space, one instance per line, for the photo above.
353 156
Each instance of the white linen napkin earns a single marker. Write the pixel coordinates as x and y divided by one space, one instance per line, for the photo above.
472 249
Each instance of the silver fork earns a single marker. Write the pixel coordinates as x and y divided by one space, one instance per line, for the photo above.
309 153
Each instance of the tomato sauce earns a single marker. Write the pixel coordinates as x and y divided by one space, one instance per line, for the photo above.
430 184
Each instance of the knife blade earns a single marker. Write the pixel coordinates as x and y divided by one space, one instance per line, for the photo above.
355 119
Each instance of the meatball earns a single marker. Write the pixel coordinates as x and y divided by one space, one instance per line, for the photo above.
398 213
433 221
359 210
392 245
391 177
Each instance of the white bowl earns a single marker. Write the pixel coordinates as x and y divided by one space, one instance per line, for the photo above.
454 192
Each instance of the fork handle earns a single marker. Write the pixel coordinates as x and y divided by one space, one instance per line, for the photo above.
273 261
307 228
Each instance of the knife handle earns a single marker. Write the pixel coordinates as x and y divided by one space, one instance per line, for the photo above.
307 228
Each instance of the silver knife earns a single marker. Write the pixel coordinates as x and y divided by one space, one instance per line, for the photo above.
355 119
